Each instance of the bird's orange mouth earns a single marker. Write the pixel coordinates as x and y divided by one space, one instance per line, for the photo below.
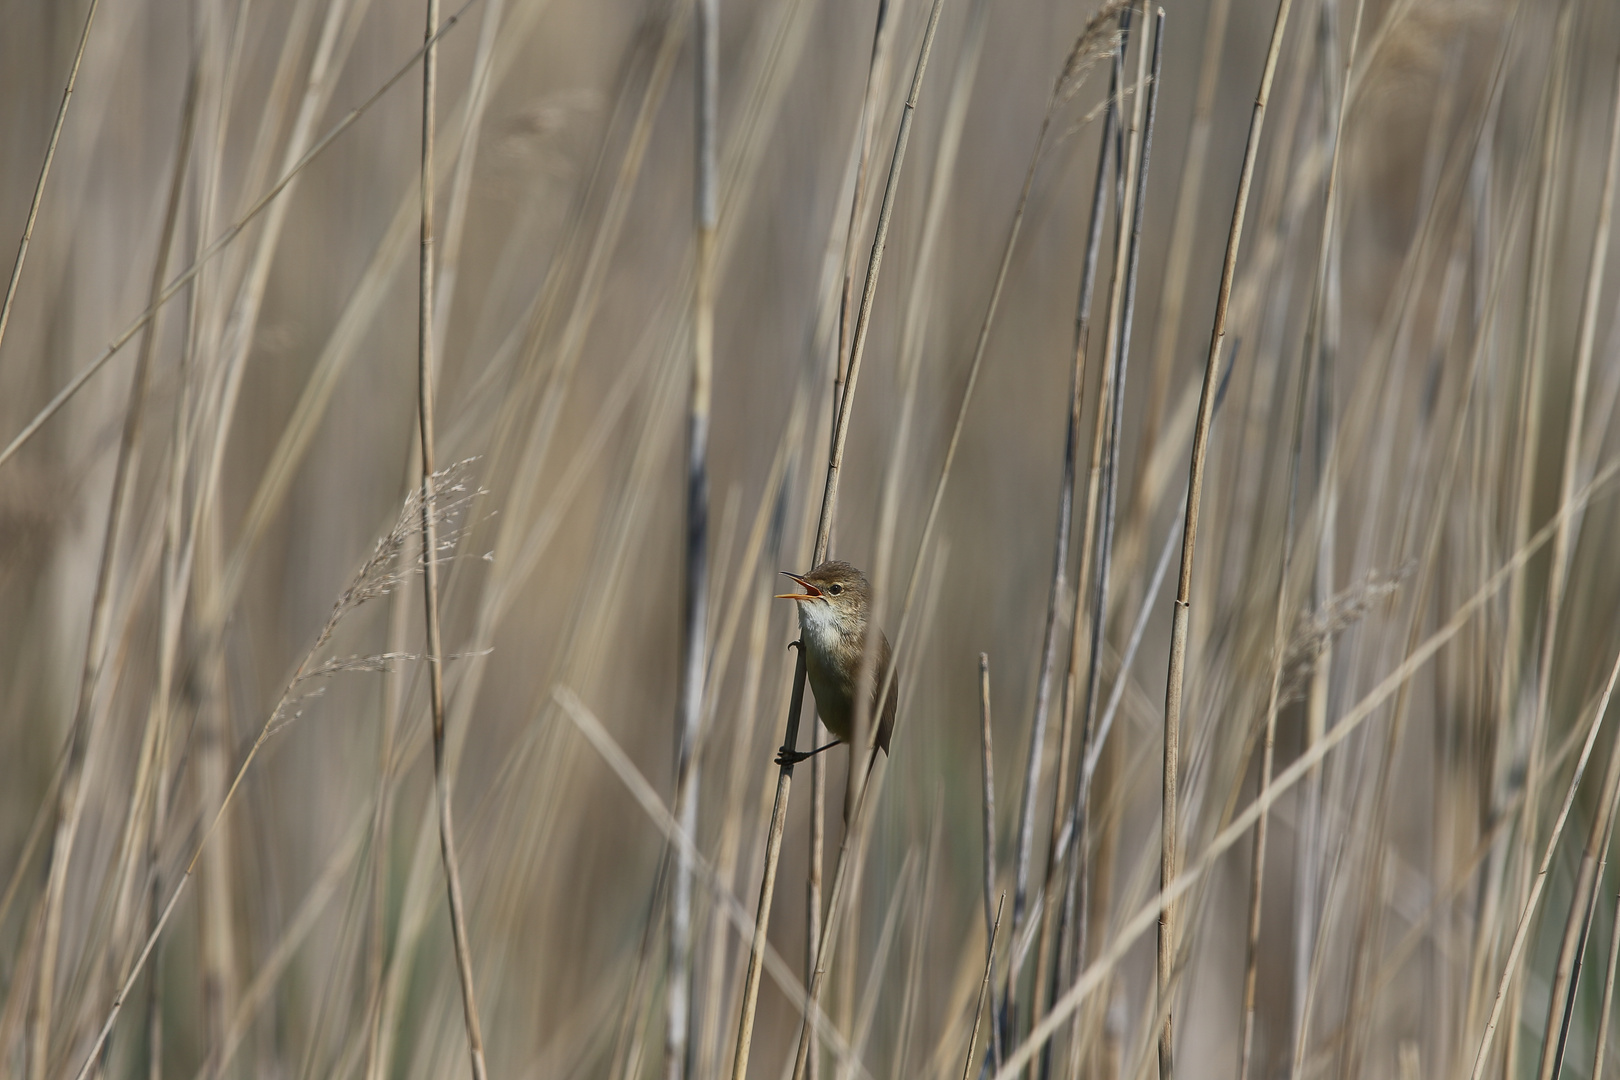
810 591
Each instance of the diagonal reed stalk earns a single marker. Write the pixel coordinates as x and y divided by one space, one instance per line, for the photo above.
678 1020
430 557
1169 857
984 989
829 502
220 243
45 172
1130 930
1538 882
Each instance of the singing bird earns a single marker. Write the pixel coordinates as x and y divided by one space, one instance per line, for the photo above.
832 632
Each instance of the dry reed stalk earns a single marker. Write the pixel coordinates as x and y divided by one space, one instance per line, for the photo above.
382 818
1178 259
984 990
678 1021
45 171
829 501
923 287
1528 442
1077 374
502 588
425 375
645 462
1608 996
70 794
616 759
866 1012
466 153
146 817
352 329
922 921
376 577
175 285
876 84
1562 545
280 955
1169 856
1145 917
1116 358
1319 305
1583 895
1527 912
992 916
765 541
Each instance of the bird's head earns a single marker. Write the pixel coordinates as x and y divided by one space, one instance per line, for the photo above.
833 595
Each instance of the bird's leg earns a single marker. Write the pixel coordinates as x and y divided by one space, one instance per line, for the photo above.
784 756
787 756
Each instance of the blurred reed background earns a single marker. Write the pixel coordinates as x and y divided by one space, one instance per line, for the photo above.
1402 616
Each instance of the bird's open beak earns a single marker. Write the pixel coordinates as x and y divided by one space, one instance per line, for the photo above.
810 591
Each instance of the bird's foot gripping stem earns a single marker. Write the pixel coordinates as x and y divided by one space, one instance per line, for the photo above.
787 758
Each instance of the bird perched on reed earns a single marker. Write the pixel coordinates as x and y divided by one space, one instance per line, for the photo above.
833 609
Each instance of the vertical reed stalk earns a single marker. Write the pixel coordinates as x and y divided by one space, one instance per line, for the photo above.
430 557
1169 857
1608 996
678 1021
1045 970
1314 334
1568 529
829 503
992 913
1183 231
1058 591
1121 311
876 81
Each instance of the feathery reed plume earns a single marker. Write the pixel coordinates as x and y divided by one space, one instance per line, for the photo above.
377 577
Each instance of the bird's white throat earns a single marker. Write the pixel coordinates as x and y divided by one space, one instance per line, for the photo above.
819 626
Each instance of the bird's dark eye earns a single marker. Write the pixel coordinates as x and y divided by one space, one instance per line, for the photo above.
835 589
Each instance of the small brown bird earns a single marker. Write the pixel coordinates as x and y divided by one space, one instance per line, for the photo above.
832 632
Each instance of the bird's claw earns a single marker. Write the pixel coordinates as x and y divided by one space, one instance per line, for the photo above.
788 758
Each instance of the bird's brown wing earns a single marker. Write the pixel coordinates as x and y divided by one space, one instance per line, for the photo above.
892 702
